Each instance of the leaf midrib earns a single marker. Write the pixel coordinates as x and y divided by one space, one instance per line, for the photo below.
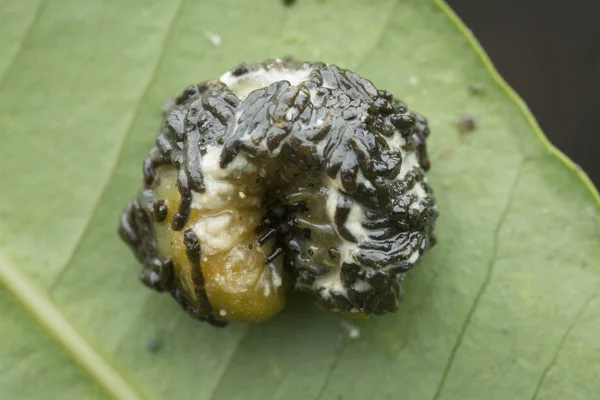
44 310
37 303
48 315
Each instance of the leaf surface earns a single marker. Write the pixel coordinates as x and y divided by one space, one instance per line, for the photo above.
506 306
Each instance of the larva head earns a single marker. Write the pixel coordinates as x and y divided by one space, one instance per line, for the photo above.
278 176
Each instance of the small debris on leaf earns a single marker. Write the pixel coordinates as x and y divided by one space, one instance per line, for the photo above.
352 331
476 89
413 80
214 38
153 345
466 123
445 152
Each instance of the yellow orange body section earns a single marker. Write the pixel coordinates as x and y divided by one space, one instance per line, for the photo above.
239 284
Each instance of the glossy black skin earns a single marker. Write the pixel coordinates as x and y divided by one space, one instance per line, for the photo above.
355 118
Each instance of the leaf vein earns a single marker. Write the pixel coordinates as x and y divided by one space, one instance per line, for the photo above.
379 39
120 146
21 44
230 356
484 285
562 343
332 368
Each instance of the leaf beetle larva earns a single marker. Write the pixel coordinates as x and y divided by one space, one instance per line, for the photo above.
283 176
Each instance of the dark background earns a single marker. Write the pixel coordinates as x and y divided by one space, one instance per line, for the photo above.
549 52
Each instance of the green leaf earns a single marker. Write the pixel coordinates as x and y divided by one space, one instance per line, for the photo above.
506 306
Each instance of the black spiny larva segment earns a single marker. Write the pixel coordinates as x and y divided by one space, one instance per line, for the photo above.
193 253
136 230
160 210
195 122
280 225
342 211
347 206
240 70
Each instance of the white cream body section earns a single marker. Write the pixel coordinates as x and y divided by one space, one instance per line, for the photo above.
332 281
220 185
246 83
410 161
221 231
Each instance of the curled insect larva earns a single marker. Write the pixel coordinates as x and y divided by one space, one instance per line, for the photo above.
283 176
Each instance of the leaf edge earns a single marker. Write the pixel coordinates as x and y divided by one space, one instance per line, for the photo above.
516 99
